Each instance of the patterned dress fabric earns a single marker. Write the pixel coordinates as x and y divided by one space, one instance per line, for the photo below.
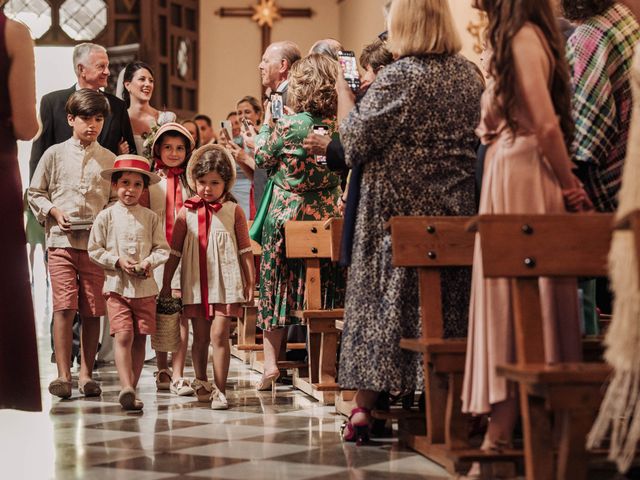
303 190
600 53
413 135
517 179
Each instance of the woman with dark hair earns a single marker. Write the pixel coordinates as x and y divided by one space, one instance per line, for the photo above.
527 123
192 126
138 89
304 189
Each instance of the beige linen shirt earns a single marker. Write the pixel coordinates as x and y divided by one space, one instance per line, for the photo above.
135 233
68 178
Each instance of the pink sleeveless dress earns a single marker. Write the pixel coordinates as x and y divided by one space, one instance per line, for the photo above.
518 179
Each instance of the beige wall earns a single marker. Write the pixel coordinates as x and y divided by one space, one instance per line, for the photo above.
230 47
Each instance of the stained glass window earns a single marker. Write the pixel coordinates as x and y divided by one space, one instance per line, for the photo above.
83 19
80 20
36 14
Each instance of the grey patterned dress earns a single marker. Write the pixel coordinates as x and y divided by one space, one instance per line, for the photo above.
413 132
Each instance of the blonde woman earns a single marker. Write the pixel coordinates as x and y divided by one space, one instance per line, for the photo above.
413 136
303 190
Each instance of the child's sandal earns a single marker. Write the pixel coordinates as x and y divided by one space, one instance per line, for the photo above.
202 389
163 379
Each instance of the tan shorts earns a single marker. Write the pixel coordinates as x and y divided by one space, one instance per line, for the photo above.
137 315
76 282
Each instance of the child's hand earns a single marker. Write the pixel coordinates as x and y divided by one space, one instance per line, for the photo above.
123 147
144 269
127 266
248 292
165 292
61 218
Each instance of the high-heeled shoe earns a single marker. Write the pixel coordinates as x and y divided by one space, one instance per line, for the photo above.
267 383
357 432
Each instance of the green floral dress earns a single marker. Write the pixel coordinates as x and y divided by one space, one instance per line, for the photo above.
303 190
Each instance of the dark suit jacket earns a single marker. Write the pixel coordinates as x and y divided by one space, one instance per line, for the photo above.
56 129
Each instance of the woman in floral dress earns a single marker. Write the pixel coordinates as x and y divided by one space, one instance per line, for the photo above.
303 190
413 136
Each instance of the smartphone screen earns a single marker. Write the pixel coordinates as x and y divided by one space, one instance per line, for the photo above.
227 130
277 106
321 130
350 69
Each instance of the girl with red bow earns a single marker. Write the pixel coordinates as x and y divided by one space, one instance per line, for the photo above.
217 273
170 151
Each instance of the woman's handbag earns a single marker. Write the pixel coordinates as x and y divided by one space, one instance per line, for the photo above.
255 232
167 336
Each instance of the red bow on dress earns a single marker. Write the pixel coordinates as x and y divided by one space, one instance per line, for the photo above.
174 195
205 210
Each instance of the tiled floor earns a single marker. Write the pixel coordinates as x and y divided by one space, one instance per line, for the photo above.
292 437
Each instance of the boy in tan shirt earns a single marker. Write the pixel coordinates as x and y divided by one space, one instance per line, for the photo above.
127 240
66 194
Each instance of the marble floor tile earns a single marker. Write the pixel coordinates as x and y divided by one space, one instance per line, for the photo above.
225 432
268 470
246 450
413 464
292 437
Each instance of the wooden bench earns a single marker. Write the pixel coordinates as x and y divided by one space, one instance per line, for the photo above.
524 248
432 244
311 242
247 335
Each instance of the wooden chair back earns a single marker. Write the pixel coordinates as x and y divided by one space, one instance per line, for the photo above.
431 243
311 241
524 248
567 245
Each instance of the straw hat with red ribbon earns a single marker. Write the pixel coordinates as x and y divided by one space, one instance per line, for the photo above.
131 163
195 157
175 127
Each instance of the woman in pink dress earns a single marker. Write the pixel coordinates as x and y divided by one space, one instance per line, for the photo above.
19 376
526 120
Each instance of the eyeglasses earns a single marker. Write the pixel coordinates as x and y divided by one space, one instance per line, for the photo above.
384 36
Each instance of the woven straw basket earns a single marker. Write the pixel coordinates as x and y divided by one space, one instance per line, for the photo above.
167 336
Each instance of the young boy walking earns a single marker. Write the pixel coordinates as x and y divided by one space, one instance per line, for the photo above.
128 241
66 194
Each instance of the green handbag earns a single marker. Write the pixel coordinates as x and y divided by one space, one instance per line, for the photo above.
255 232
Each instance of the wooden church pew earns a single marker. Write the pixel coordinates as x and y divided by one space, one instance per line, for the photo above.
248 342
523 249
247 334
311 242
431 244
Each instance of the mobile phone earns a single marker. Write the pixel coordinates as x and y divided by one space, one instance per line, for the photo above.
227 130
321 130
277 106
246 126
349 66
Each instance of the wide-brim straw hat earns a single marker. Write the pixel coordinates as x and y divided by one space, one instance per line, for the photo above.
175 127
131 163
195 157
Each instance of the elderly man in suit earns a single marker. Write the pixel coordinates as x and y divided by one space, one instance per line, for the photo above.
91 64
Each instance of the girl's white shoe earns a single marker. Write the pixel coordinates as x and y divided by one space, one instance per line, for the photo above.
181 387
218 400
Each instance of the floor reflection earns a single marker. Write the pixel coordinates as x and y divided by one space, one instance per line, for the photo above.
291 437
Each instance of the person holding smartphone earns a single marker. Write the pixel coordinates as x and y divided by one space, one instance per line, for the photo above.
412 135
231 137
303 190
